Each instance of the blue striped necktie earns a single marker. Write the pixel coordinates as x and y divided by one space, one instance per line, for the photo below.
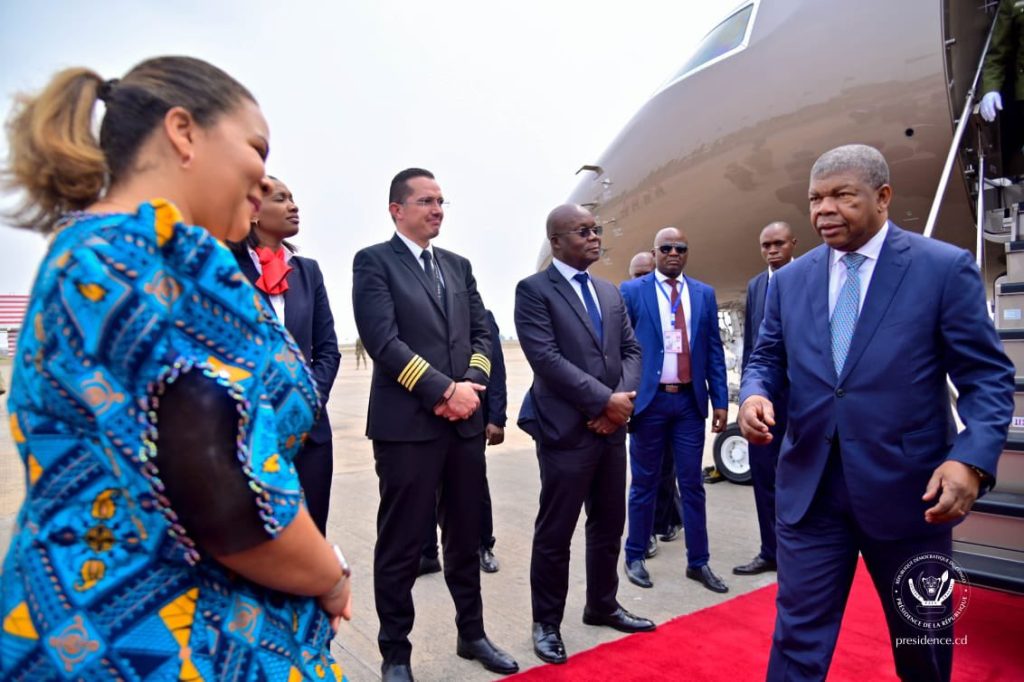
588 299
844 316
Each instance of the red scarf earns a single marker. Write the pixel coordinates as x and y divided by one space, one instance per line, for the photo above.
275 271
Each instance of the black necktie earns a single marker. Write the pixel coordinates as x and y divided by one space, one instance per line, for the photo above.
433 275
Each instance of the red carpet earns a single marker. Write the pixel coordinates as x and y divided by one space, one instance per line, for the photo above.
731 641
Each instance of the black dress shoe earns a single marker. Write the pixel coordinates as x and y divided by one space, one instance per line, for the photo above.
652 548
490 656
757 565
547 643
488 564
672 534
706 577
429 564
637 573
620 619
396 672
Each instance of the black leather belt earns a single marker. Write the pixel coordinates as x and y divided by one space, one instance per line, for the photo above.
674 388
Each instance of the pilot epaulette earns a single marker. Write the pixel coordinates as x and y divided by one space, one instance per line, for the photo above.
416 368
481 362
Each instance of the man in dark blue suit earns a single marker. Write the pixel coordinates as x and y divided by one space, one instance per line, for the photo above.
777 245
867 327
676 323
574 332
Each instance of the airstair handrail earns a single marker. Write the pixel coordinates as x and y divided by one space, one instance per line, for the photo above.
933 214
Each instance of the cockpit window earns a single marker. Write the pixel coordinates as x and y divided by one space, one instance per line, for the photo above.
723 39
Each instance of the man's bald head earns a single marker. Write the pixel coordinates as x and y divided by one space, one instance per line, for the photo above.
670 251
574 236
562 217
641 264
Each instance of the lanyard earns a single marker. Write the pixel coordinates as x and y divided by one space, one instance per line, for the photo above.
671 308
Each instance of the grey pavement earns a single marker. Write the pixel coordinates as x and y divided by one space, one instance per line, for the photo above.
515 486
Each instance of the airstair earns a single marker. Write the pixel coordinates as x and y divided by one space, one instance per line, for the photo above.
989 543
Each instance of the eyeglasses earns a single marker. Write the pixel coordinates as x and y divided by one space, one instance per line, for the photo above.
583 232
424 203
680 248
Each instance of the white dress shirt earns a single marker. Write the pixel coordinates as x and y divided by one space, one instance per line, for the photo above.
276 300
670 362
569 272
417 252
837 270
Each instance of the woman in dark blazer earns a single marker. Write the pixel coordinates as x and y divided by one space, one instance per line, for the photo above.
294 288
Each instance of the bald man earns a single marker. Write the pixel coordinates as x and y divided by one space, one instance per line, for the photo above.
641 264
574 332
676 321
668 520
777 246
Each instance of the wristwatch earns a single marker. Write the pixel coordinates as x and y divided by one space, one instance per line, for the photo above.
346 570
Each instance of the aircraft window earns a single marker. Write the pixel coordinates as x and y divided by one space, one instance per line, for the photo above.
722 39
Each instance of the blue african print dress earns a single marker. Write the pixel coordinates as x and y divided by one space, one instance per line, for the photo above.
101 581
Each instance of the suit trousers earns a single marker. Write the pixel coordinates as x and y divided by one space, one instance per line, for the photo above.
817 558
667 509
764 460
445 473
592 476
486 525
315 466
670 420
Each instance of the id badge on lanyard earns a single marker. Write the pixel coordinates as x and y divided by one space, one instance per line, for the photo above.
673 340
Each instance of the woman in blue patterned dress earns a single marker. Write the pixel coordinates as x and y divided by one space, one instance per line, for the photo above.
156 403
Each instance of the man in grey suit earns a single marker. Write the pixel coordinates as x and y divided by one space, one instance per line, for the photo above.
578 340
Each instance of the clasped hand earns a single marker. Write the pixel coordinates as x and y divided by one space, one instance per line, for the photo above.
616 413
462 401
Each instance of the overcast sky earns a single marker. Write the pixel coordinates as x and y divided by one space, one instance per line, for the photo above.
502 101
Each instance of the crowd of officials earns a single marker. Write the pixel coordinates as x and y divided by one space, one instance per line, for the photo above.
168 401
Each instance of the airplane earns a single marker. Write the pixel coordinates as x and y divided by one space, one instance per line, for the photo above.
725 146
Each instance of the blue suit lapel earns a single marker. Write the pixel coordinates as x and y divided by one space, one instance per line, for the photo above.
696 311
650 298
817 288
889 271
760 296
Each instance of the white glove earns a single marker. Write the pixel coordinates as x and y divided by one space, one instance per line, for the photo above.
990 104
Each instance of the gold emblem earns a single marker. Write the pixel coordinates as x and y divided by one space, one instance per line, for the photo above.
99 538
93 571
103 507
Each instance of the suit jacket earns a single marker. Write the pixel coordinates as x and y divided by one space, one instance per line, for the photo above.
418 345
707 357
925 316
495 401
753 315
308 318
574 374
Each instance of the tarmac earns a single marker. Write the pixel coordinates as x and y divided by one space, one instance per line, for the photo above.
515 486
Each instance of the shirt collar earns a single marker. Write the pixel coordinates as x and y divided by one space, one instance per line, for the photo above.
415 248
664 278
871 249
567 270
